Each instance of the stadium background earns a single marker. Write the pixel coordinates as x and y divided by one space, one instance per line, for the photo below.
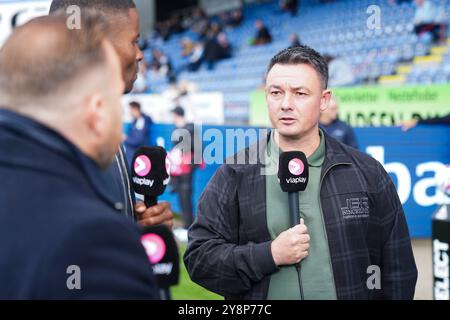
396 76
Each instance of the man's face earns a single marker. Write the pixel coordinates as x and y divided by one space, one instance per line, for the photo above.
177 120
295 98
135 113
112 91
125 40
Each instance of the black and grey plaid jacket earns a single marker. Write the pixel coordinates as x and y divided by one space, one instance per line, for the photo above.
229 250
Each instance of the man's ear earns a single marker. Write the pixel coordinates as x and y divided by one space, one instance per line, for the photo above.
94 113
325 100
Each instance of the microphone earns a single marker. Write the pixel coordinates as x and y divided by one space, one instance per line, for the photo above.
162 251
150 173
150 177
293 174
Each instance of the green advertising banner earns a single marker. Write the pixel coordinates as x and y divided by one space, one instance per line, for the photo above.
259 117
375 105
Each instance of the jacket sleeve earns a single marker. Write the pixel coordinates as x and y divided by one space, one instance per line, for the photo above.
214 258
111 260
398 267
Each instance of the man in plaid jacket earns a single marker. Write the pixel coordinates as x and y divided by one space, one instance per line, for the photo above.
352 241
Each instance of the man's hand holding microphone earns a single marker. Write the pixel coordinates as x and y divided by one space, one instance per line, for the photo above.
291 246
151 169
157 214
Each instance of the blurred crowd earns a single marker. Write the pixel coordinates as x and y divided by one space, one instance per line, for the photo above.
206 41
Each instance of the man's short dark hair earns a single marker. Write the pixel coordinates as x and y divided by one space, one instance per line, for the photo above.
101 5
178 110
302 55
135 105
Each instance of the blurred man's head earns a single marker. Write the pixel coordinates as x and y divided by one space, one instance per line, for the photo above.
124 32
69 80
259 24
135 110
178 117
294 39
331 113
296 91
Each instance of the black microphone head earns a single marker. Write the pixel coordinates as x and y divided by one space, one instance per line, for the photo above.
162 251
293 171
150 171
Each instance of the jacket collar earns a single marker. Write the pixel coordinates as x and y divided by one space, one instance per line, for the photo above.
335 152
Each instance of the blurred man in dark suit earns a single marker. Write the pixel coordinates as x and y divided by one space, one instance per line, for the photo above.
338 129
61 236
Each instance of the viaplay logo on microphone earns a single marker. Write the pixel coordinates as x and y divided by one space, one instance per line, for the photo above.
293 171
154 247
142 167
296 168
149 171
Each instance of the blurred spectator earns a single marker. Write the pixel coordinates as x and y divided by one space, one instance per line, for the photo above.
138 134
294 40
187 20
140 85
214 29
231 19
263 35
236 18
225 46
224 18
340 72
161 64
163 30
429 18
176 91
198 15
175 24
182 167
200 23
196 58
329 121
187 47
445 120
216 48
289 6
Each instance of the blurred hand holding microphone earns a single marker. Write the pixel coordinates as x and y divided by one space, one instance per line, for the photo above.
150 177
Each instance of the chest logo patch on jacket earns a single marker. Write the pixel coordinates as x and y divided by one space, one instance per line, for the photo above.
356 208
